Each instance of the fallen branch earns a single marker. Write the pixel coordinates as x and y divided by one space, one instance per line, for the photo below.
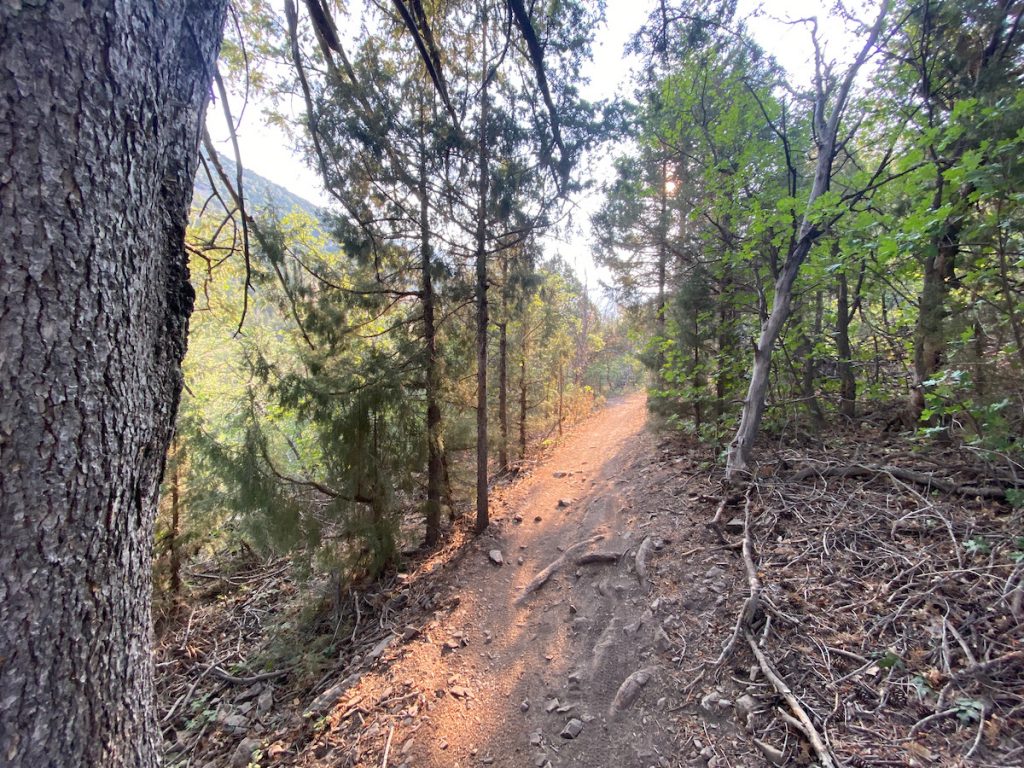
907 475
974 670
539 580
825 756
753 602
229 678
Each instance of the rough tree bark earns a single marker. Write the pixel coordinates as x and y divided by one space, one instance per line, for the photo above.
101 107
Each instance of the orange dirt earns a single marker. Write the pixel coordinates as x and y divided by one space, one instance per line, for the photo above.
484 677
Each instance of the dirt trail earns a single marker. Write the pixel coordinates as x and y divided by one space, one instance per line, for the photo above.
505 673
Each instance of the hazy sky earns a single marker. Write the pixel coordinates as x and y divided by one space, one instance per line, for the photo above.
267 150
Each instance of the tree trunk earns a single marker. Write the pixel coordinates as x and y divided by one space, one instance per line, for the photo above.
827 134
503 394
561 397
930 334
503 370
434 467
809 374
847 380
522 403
101 107
482 517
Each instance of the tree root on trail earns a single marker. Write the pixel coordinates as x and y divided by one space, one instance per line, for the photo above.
641 562
753 602
541 578
598 557
630 690
907 475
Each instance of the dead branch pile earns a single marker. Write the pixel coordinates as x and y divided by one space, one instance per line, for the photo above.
894 615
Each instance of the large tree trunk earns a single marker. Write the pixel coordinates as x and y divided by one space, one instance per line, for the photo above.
482 517
101 107
435 478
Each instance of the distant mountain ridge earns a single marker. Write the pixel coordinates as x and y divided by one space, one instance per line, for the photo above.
261 193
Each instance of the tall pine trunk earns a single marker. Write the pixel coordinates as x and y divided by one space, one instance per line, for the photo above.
482 517
522 401
101 108
435 477
503 370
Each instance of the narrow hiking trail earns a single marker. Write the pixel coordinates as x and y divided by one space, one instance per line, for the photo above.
574 672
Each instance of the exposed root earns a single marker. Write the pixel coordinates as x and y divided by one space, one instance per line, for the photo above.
641 562
541 578
752 604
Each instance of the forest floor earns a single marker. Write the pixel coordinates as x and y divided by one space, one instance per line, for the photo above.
882 625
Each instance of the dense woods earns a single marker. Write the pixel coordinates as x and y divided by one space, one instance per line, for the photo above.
797 266
857 227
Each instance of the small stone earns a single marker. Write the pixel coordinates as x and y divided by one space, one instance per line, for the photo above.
662 642
380 647
496 558
524 705
520 560
563 503
745 706
572 729
535 739
251 692
265 701
714 703
243 752
537 519
551 706
772 754
487 760
459 692
237 722
559 474
443 745
714 572
734 526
